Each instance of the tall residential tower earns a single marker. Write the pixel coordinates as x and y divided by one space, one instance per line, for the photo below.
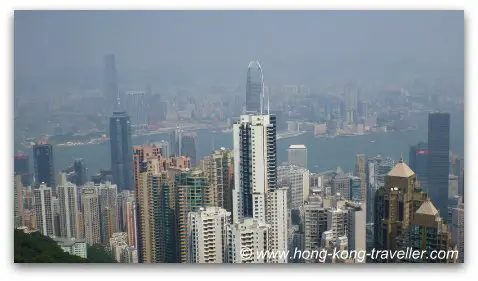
255 169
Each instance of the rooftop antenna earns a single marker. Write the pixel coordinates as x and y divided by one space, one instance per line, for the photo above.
118 102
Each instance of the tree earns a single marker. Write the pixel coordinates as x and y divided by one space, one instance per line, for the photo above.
37 248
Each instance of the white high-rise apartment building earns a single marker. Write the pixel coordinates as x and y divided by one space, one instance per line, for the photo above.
277 215
297 155
337 222
44 212
341 184
357 238
458 230
297 179
246 239
56 215
255 171
315 223
207 235
91 215
73 246
69 222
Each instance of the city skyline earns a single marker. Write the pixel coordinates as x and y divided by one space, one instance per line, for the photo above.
187 199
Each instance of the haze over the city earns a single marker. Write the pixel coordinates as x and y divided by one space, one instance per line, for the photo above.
213 47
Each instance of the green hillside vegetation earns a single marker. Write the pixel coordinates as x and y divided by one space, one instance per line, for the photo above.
37 248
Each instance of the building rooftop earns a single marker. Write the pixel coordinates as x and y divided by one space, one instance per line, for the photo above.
427 208
401 170
297 146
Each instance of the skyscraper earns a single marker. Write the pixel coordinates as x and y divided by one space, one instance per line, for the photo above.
175 142
255 164
67 196
122 223
108 197
350 102
110 87
341 183
458 230
395 204
297 179
44 212
277 216
121 150
18 200
337 223
418 160
148 182
80 172
297 155
131 221
155 204
21 166
158 109
377 169
360 172
254 88
362 110
188 147
356 189
207 235
428 232
91 215
43 164
459 166
438 159
56 215
137 107
217 167
315 223
251 234
190 197
356 226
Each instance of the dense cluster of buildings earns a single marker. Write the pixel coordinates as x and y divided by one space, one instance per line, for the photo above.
160 204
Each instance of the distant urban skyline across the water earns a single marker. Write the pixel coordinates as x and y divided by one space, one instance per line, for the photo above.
323 154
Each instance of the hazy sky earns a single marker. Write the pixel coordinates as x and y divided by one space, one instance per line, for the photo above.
211 45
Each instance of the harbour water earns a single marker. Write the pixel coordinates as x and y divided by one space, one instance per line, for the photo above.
323 153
